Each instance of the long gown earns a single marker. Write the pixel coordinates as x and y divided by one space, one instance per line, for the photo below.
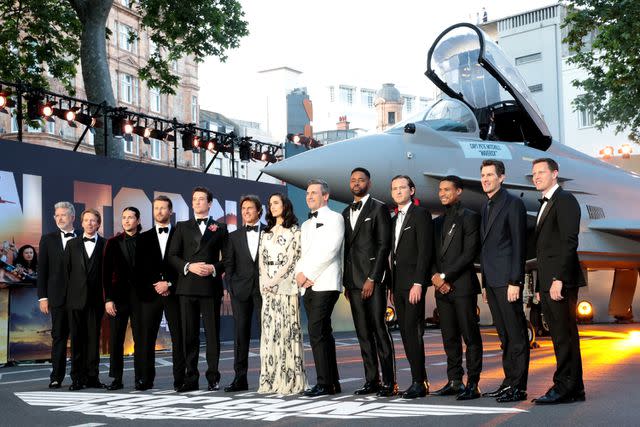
281 350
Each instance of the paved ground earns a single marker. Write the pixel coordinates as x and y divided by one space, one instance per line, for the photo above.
612 377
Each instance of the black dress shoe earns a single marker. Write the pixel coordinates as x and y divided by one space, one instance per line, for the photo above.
579 396
368 388
318 390
471 391
94 383
419 389
337 389
452 388
388 390
214 386
512 395
236 386
497 392
75 386
116 385
57 384
552 397
184 388
143 385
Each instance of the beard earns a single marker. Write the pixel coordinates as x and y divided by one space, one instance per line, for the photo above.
361 192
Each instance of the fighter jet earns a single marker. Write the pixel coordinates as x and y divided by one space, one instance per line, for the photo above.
487 111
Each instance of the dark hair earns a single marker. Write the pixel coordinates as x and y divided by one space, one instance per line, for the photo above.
363 170
33 265
553 165
136 212
500 170
93 212
409 181
455 180
253 199
163 198
324 187
203 190
287 212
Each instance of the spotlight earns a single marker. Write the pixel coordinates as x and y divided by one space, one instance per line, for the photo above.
297 139
143 131
69 115
33 107
187 140
117 124
625 150
127 127
607 152
584 312
87 120
211 145
46 111
6 102
245 149
268 157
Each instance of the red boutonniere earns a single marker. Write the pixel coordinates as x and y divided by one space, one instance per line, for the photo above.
213 228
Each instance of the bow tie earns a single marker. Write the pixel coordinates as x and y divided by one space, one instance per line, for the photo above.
313 214
163 230
72 234
251 228
356 206
89 239
543 200
201 220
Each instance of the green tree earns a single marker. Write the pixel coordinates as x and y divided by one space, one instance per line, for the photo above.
604 39
49 36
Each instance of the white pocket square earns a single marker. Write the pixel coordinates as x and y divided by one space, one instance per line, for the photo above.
368 219
407 228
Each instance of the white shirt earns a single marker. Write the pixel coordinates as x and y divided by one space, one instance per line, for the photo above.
253 239
353 215
202 225
163 238
548 195
66 239
402 214
90 246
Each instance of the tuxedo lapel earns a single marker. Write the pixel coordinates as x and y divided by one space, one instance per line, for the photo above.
547 209
244 243
448 236
495 211
405 223
364 212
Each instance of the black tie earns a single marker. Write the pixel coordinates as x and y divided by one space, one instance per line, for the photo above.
251 228
89 239
201 220
68 234
163 230
543 200
313 214
355 206
488 212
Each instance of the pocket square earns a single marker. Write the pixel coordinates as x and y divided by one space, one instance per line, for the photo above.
318 225
368 219
407 228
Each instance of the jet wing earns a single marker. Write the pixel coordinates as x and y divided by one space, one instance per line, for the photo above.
621 227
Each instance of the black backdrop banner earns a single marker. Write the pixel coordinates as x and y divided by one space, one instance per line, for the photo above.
33 178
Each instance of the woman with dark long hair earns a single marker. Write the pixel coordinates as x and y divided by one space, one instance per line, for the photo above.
281 352
27 260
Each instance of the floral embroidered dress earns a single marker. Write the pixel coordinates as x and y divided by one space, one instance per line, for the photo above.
281 351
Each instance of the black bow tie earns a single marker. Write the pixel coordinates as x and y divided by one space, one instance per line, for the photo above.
543 200
89 239
163 230
201 220
313 214
251 228
72 234
356 206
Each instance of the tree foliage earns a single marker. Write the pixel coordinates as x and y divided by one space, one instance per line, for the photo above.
604 39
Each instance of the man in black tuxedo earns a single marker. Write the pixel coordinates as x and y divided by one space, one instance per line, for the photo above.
52 287
84 302
411 250
457 243
121 300
503 238
241 269
367 240
559 278
195 253
156 286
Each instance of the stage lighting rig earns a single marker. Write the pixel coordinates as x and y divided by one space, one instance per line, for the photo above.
5 101
244 148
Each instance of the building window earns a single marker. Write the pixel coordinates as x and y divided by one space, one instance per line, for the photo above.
50 127
128 144
124 32
332 94
391 117
196 159
128 88
217 166
346 95
535 88
152 47
585 118
409 102
14 121
89 137
527 59
194 109
368 96
125 3
154 100
156 149
174 65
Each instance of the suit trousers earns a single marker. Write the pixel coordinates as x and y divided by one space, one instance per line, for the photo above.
511 325
190 309
561 318
458 321
411 323
373 334
319 306
150 319
60 337
243 312
118 330
84 330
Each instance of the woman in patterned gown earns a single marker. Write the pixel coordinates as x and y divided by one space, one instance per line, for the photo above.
281 352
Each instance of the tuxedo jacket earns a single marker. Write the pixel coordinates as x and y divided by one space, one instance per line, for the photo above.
118 277
189 245
456 248
412 257
367 246
151 266
51 278
241 270
321 246
83 274
503 238
557 242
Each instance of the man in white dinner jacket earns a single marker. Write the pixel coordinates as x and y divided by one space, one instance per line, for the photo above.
319 275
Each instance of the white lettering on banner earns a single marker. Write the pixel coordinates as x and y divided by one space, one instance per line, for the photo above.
484 150
150 407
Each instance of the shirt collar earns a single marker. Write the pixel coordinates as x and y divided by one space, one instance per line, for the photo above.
551 191
320 211
364 199
159 226
90 237
405 209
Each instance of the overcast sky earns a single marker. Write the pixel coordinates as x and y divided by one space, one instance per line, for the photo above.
358 42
